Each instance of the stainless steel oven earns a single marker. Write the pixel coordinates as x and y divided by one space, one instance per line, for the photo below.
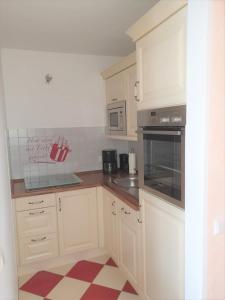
161 152
116 118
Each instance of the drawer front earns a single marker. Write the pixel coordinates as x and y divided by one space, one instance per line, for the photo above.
38 248
34 202
36 221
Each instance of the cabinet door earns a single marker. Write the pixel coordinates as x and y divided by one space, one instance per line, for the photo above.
131 77
78 220
161 64
129 234
163 246
111 224
115 88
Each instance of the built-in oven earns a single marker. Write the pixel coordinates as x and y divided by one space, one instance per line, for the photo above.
161 153
116 118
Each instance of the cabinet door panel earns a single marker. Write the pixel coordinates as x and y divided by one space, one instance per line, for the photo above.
163 245
129 249
115 88
78 221
161 64
131 76
111 224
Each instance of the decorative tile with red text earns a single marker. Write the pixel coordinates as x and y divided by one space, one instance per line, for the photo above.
95 279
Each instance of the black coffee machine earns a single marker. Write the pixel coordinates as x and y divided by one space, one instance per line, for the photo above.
109 161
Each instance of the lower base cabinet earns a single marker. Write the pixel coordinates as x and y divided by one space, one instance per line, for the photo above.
110 214
163 249
77 220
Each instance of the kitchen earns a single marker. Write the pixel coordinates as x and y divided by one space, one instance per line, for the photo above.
112 235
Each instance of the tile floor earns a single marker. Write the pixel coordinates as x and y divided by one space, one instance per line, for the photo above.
94 279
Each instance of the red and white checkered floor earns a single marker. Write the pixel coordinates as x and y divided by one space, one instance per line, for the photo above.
95 279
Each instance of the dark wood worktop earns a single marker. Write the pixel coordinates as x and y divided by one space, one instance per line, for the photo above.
89 179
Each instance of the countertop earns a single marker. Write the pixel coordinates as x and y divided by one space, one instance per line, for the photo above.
89 179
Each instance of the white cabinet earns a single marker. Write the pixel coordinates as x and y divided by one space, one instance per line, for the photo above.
131 78
36 228
163 249
120 82
161 63
115 88
129 243
110 210
78 220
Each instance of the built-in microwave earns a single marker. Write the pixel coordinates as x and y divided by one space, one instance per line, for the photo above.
161 151
116 118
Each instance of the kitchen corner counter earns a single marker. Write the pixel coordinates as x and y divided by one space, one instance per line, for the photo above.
89 179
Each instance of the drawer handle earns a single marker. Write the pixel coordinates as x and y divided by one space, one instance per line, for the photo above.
39 240
37 213
114 213
113 203
114 99
127 213
37 202
139 220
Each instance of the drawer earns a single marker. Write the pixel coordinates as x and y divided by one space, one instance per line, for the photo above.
36 221
34 202
38 248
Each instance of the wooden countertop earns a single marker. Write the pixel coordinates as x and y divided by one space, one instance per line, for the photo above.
89 179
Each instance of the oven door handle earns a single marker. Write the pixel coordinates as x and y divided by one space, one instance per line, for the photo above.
162 132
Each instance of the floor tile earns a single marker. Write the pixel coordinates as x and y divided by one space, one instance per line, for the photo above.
41 283
97 292
62 270
27 296
110 277
85 270
24 278
68 289
100 259
128 296
111 262
128 288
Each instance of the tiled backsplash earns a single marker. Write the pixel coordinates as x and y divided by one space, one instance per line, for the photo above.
58 150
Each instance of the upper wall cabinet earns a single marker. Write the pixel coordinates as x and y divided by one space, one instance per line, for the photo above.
161 55
120 82
115 88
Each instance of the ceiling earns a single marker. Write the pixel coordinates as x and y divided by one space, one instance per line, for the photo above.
75 26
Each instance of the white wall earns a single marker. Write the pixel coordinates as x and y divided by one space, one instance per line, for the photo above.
75 97
204 261
8 275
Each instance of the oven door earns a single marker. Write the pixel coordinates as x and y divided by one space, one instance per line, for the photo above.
161 162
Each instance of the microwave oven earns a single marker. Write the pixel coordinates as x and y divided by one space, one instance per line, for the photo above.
116 118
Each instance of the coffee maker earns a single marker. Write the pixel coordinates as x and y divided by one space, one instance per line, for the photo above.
109 161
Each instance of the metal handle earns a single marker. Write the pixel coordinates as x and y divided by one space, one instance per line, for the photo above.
37 202
139 221
136 91
60 204
114 99
36 213
39 240
114 213
163 132
127 212
113 203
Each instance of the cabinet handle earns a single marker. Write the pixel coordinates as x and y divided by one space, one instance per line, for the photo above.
39 240
114 213
60 204
37 202
114 99
36 213
139 218
127 212
113 203
136 91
